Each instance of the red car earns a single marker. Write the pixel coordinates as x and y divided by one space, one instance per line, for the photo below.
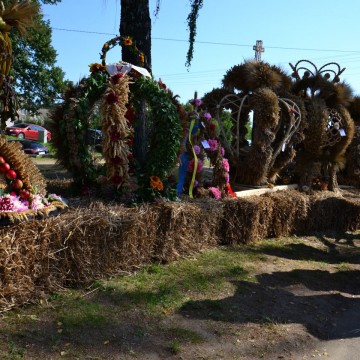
26 131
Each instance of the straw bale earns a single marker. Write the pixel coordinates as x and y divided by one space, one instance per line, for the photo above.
333 212
94 240
187 227
246 219
289 212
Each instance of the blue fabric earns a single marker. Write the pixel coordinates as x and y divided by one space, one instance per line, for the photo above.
184 161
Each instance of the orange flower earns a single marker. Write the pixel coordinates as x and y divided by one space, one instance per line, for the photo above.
141 58
127 41
97 68
156 183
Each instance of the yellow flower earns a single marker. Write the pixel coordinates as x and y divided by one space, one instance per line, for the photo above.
141 58
127 41
156 183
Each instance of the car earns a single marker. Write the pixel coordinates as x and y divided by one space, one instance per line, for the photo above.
26 131
94 137
32 147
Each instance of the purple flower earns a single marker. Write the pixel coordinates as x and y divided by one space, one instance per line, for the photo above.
227 178
206 116
222 151
197 102
197 149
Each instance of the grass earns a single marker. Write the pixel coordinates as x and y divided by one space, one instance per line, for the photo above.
135 307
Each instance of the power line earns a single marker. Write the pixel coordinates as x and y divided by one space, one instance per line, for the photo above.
214 43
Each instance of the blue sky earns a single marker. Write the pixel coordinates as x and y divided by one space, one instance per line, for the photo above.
318 30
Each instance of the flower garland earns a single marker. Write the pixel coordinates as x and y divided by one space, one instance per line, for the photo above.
126 41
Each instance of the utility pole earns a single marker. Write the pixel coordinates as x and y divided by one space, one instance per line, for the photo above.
258 50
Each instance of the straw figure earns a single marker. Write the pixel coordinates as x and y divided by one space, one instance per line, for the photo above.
19 16
330 128
263 90
352 169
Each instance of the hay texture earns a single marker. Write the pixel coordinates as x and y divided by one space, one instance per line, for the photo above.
95 240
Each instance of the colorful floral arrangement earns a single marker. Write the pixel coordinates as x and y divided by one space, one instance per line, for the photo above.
22 186
200 143
121 98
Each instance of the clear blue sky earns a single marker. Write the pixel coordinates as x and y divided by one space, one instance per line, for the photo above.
318 30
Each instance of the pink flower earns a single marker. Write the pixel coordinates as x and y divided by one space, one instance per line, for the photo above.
197 149
215 192
36 203
192 164
222 151
213 144
226 165
227 178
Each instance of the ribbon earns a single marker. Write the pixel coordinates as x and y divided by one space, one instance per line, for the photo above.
184 161
230 190
192 125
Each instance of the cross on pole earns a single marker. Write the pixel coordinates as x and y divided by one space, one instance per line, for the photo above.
258 50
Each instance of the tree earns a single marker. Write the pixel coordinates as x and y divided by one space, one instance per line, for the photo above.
135 22
38 82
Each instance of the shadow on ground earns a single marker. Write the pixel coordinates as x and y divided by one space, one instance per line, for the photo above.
325 303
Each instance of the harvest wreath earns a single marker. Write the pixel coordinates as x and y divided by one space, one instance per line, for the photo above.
22 187
118 92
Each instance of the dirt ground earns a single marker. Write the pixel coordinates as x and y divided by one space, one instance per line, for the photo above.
304 304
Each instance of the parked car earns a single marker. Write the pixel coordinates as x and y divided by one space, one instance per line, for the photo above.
26 131
32 147
93 137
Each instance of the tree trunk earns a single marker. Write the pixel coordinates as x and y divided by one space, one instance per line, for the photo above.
135 22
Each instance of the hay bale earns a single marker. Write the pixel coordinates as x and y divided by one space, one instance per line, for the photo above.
187 227
246 219
289 212
94 240
333 212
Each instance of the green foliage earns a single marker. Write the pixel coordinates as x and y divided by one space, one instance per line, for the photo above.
38 82
164 144
196 5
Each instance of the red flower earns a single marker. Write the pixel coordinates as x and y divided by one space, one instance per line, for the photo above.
162 85
130 113
115 135
212 126
112 98
115 78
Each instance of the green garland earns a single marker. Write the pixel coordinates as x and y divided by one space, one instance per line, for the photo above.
196 5
164 144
